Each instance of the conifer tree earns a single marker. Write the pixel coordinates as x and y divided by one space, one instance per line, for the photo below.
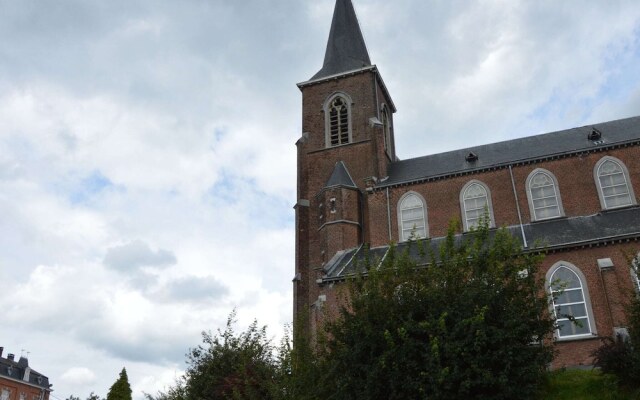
120 390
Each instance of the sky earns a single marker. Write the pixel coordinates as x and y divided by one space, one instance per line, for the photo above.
147 150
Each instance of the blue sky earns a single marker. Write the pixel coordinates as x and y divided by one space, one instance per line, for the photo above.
147 157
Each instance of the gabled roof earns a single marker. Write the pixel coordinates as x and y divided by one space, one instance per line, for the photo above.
516 151
340 177
561 233
346 49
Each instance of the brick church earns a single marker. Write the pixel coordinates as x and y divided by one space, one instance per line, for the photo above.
572 190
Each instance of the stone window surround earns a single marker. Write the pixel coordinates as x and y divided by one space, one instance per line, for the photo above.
327 117
424 214
625 172
585 294
492 221
530 196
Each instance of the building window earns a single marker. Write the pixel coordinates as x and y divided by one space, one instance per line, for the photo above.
476 203
570 300
614 186
544 196
5 394
635 272
338 120
412 217
386 127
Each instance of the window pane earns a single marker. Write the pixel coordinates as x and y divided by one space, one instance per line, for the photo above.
568 296
574 310
412 218
579 327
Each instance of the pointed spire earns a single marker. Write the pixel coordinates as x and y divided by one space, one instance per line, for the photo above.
346 49
340 177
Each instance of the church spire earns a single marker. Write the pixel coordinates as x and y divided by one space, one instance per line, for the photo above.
346 49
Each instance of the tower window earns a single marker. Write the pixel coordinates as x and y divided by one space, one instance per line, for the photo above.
386 127
338 120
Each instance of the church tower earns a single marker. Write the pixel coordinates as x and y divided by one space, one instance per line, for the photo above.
347 144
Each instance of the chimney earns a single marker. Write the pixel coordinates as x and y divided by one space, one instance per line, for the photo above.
1 350
23 362
11 356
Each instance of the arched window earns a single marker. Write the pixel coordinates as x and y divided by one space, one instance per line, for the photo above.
570 300
412 219
614 186
475 200
544 196
386 127
338 120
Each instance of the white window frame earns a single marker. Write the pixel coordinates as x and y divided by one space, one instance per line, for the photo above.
530 198
591 322
327 118
463 209
625 173
401 228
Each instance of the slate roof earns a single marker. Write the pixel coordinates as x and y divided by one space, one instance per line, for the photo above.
340 177
605 227
346 49
16 370
516 151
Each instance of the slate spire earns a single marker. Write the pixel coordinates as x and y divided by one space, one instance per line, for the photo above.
346 49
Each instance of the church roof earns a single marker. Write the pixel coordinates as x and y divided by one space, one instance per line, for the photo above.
562 233
346 49
340 177
516 151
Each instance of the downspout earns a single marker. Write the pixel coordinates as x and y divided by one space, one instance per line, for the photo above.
606 297
515 194
389 214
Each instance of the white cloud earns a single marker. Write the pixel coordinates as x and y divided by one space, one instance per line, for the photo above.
79 376
147 158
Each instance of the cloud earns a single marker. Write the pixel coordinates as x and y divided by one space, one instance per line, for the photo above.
191 288
137 254
80 376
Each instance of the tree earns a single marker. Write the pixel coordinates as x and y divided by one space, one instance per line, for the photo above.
620 355
232 366
120 390
471 324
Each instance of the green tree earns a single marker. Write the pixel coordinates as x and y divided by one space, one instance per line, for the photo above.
120 390
232 366
469 325
621 355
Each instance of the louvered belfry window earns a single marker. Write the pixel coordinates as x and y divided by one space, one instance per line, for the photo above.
338 122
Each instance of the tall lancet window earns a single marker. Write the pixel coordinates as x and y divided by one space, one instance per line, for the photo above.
613 183
338 120
386 127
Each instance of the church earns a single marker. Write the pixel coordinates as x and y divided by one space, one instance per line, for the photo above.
572 190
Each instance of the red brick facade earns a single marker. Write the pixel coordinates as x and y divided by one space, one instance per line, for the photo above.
331 220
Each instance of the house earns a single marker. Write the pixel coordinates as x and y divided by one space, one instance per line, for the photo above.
573 190
19 382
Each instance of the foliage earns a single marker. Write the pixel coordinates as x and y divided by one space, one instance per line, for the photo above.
120 390
232 366
470 325
621 355
582 385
